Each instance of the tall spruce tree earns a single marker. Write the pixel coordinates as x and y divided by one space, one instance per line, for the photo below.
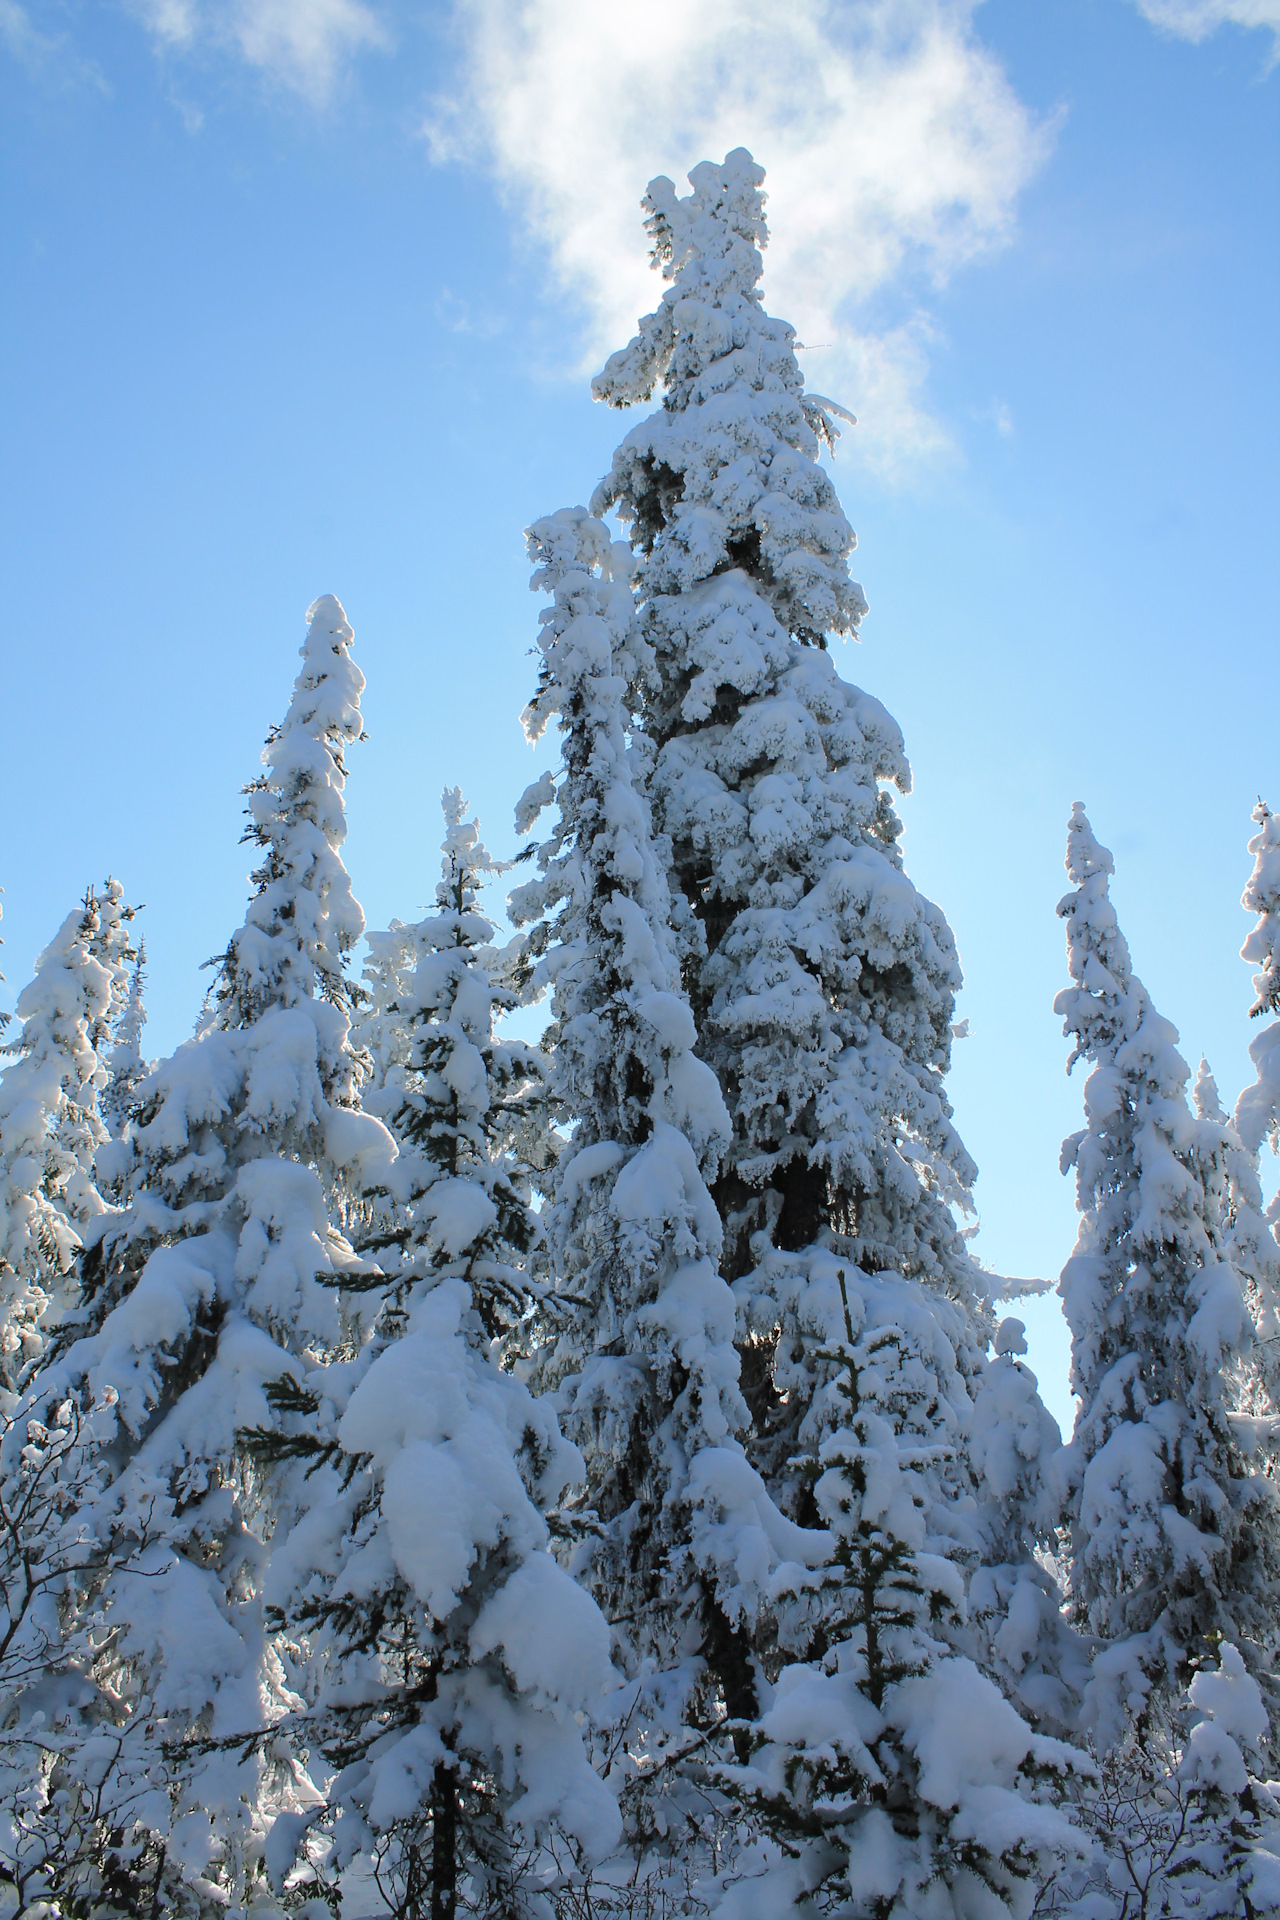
820 980
127 1068
822 983
219 1278
453 1653
403 1072
52 1124
1255 1229
1173 1524
645 1363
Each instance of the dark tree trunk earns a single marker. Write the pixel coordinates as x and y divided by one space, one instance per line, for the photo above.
728 1655
804 1204
444 1843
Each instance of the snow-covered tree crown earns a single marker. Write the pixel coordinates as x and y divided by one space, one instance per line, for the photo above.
729 466
304 919
1097 1009
1262 896
1257 1115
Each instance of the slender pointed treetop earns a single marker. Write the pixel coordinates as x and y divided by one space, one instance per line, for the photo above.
1262 896
1257 1114
304 918
1097 1009
729 373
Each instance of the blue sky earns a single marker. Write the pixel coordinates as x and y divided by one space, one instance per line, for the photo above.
302 296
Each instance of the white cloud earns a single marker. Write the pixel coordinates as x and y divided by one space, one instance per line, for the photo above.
894 145
1196 19
301 43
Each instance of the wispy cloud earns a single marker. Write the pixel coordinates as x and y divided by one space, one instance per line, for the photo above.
895 145
1197 19
21 36
52 55
302 44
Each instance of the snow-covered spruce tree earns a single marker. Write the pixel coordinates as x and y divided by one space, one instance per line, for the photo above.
455 1652
642 1353
1173 1526
897 1777
127 1068
409 1033
51 1124
1255 1227
822 983
220 1277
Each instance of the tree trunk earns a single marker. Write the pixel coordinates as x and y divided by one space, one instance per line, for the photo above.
444 1843
727 1651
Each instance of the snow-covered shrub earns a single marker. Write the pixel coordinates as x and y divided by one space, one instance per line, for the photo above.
1182 1822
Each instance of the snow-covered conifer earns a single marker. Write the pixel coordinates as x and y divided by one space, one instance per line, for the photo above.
454 1651
1255 1228
51 1124
218 1279
127 1066
896 1776
645 1362
452 1093
1173 1525
821 982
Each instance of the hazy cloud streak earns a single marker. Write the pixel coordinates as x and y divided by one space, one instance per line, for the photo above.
1196 19
301 43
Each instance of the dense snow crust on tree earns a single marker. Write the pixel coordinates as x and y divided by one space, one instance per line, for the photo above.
896 1775
222 1273
127 1068
1172 1516
1257 1115
1255 1225
822 984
